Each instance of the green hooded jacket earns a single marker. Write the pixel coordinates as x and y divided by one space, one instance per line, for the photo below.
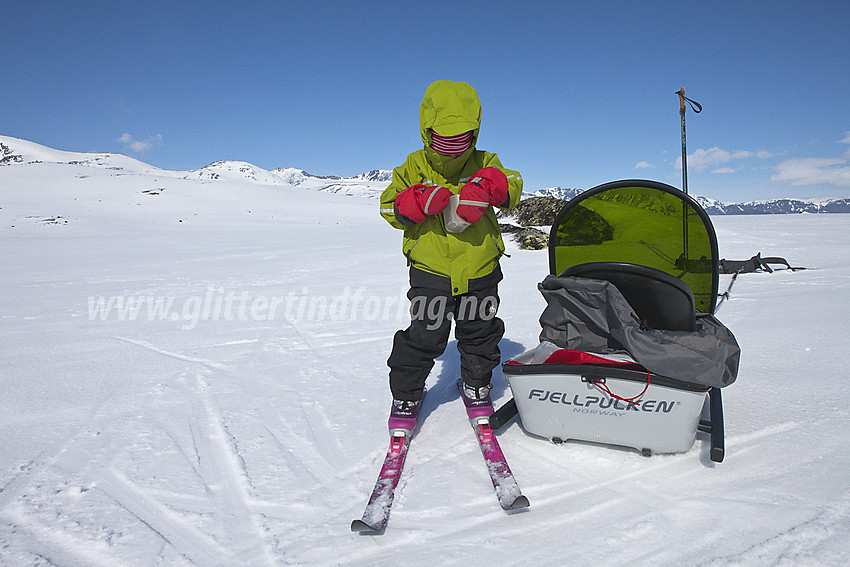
450 108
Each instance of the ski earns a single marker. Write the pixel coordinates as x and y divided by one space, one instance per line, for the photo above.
402 422
377 512
507 490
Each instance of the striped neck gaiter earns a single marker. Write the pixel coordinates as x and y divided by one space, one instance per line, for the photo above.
451 145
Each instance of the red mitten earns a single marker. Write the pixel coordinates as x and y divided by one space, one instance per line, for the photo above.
495 182
474 201
420 201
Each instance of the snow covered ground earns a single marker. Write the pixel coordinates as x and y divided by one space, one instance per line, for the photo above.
192 372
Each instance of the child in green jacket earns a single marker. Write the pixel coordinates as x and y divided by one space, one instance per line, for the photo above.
442 197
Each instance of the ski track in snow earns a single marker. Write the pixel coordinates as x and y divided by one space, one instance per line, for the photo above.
226 478
164 352
197 547
256 442
818 541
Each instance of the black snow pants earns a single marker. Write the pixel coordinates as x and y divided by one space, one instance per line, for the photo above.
477 330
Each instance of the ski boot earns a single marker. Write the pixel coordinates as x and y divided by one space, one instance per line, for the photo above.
403 416
477 400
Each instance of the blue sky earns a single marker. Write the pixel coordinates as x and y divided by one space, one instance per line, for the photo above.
574 93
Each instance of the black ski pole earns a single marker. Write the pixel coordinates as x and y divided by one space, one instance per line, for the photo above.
697 108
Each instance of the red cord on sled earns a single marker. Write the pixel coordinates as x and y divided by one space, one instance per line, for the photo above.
604 387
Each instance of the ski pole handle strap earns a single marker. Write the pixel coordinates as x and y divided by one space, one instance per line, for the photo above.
697 107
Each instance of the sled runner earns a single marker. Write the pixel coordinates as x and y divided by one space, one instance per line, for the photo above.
630 353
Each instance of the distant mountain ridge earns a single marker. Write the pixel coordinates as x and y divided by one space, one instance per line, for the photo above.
557 192
775 206
14 151
714 207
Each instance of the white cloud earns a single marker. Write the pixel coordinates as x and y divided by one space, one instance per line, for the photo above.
701 159
813 171
725 170
816 171
644 165
139 146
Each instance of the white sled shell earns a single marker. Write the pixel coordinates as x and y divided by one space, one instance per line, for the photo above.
565 406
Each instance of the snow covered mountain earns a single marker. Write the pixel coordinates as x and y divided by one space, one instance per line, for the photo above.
14 151
557 192
369 184
714 207
775 206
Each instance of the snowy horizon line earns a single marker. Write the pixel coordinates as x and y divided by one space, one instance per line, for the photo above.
373 180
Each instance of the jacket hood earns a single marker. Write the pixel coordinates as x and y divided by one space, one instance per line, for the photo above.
450 108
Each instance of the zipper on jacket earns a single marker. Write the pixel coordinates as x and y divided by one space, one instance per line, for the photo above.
415 242
493 233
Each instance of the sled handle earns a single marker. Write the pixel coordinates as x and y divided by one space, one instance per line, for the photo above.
503 415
